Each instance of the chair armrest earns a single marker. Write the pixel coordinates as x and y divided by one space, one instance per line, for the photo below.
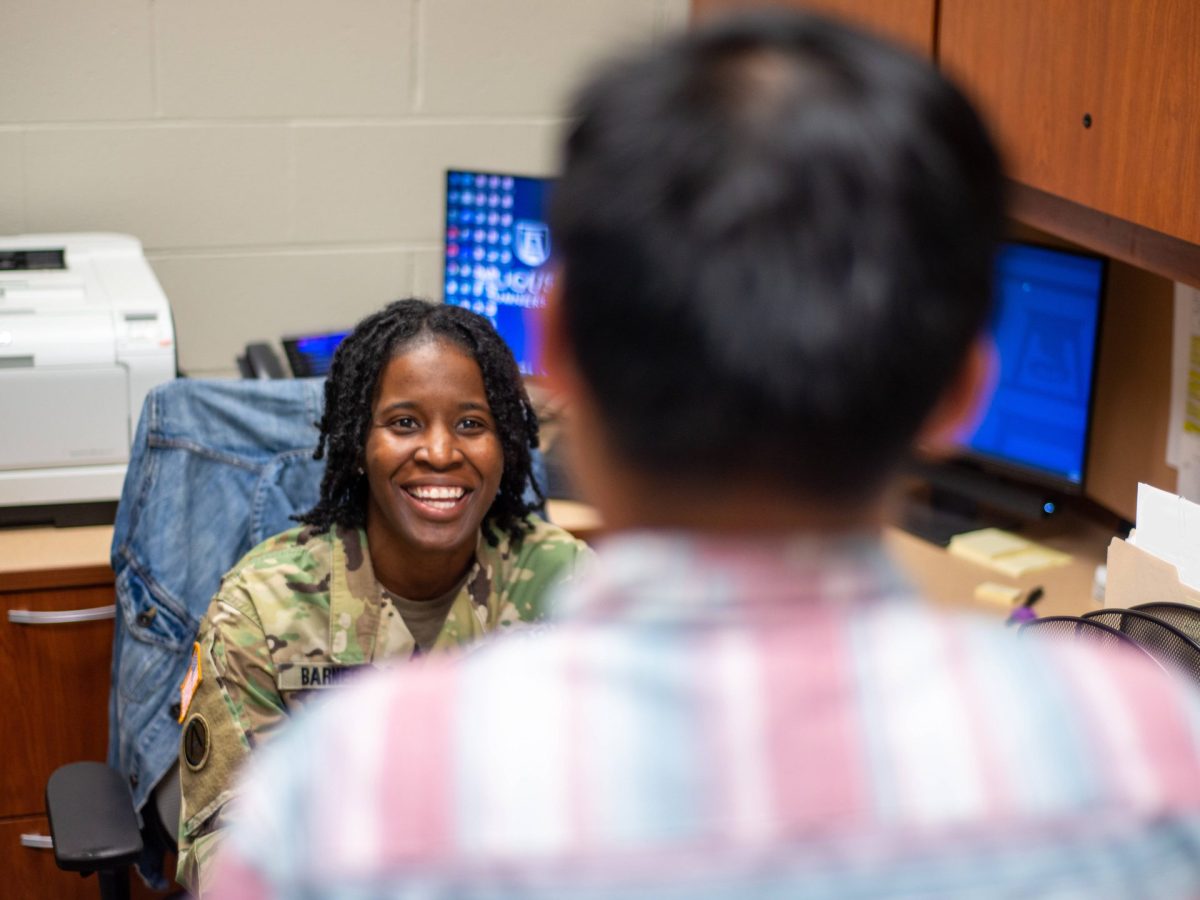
92 819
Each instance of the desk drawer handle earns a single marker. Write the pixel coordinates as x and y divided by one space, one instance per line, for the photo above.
37 841
61 617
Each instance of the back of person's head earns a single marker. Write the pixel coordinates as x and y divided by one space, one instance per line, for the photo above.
776 238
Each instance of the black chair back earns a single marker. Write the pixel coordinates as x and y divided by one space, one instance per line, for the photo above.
1182 616
1074 628
1166 643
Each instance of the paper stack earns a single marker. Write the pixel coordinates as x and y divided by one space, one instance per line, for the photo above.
1161 560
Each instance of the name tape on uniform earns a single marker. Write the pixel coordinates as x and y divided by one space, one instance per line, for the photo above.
307 677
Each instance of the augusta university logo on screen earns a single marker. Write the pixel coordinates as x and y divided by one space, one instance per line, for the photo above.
532 245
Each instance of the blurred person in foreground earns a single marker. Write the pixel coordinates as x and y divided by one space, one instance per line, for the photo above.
776 238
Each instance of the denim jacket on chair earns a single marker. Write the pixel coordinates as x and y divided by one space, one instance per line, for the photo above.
216 467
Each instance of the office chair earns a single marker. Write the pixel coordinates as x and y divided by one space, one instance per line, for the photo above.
94 825
215 468
1166 643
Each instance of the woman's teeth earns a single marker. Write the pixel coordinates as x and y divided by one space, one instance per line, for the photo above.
438 497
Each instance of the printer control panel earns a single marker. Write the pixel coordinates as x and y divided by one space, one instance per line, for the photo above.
142 331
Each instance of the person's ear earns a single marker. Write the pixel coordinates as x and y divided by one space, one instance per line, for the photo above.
963 402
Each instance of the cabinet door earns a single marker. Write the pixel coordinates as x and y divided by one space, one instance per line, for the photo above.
911 22
31 872
1093 101
53 692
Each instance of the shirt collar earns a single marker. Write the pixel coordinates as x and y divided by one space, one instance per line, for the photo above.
673 575
356 596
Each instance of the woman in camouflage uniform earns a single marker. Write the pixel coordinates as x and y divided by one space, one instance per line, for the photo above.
423 539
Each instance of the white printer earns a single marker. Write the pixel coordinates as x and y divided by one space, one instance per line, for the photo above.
85 332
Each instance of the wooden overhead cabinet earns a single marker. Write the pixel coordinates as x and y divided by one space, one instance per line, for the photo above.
911 22
1093 101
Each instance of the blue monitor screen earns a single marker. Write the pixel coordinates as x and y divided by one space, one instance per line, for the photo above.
312 355
1046 328
497 252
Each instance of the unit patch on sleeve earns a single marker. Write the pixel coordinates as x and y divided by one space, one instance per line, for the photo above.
196 742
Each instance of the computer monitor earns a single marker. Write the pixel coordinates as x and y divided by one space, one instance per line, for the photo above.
1031 444
496 254
1046 329
312 354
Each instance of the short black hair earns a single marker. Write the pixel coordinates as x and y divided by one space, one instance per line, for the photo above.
777 238
350 391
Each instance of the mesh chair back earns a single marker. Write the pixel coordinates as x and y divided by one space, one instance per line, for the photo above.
1163 641
1180 615
1073 628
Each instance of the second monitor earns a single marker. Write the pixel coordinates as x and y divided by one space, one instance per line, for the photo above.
1032 443
496 254
1046 329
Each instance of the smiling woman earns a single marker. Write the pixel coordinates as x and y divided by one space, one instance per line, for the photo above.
433 463
423 539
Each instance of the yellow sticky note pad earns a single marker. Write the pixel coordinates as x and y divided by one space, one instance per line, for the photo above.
987 543
1032 559
997 594
1005 552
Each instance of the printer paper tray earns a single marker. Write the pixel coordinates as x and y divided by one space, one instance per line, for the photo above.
63 416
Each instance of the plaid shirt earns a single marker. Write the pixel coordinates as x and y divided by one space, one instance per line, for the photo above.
724 719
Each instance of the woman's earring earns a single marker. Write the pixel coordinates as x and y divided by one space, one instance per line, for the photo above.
361 472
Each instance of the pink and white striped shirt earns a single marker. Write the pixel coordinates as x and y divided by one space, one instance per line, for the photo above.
726 718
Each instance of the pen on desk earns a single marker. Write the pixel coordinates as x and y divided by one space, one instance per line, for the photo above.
1024 612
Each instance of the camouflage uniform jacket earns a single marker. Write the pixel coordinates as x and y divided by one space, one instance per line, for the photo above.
299 612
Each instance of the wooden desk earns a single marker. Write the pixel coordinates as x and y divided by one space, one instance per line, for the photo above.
44 557
949 580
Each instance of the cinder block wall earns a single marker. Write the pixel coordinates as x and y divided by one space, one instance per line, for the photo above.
282 160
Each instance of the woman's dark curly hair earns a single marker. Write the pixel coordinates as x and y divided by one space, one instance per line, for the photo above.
350 393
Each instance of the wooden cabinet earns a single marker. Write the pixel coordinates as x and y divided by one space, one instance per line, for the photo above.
56 628
1093 102
911 22
53 708
30 871
54 696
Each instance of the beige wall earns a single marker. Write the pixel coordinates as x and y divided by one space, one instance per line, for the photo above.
281 160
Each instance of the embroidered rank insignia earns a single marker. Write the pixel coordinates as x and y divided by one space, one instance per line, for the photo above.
196 742
191 681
